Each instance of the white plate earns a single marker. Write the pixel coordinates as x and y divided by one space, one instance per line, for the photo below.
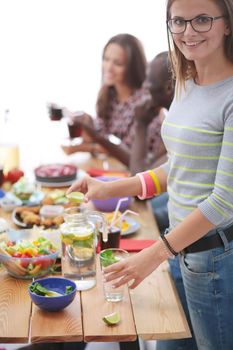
80 173
133 226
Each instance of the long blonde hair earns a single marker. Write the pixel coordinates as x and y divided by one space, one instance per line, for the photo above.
184 69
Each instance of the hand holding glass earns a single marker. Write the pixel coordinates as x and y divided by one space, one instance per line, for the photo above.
109 257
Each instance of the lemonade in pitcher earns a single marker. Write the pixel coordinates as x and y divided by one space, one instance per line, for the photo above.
79 246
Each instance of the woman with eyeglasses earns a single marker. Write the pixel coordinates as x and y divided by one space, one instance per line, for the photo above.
198 134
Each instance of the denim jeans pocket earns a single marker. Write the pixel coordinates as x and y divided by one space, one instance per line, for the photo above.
197 264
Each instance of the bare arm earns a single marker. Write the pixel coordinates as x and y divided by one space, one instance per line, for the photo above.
92 138
119 151
94 189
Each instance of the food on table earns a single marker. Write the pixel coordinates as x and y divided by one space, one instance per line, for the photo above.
28 258
112 319
23 189
9 202
56 173
123 225
56 196
76 197
65 288
13 175
30 216
38 289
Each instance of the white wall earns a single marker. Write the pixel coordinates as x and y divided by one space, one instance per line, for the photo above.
51 51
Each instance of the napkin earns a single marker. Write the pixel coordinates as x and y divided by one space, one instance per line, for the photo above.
101 172
135 245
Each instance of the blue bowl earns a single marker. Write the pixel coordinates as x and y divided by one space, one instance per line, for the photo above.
108 205
56 284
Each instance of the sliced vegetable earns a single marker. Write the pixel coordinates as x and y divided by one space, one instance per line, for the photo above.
38 289
112 319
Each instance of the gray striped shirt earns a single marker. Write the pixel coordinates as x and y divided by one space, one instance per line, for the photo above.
198 134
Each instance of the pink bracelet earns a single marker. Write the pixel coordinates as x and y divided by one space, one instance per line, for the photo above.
148 187
143 184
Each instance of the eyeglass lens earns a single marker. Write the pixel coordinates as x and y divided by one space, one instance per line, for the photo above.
199 24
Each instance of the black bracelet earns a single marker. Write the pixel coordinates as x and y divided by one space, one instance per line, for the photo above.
168 245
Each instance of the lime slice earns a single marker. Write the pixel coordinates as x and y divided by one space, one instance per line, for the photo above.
112 319
75 197
83 237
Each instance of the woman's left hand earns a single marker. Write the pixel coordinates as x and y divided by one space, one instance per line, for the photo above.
135 268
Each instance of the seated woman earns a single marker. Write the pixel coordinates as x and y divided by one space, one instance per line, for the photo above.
123 73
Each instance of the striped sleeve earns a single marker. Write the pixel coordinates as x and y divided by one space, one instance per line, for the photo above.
218 206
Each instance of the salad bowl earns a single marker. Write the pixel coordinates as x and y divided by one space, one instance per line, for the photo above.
27 260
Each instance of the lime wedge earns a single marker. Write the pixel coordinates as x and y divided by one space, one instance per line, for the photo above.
112 319
75 197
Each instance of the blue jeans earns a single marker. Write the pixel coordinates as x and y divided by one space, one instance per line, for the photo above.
208 283
178 344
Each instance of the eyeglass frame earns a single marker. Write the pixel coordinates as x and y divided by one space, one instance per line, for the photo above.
190 21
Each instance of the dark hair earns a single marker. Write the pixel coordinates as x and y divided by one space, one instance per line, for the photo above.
184 69
135 71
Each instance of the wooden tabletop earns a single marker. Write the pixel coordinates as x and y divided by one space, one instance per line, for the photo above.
150 311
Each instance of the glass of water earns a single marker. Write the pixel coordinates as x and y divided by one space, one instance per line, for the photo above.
109 257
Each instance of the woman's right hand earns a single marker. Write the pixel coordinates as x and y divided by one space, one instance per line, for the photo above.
92 188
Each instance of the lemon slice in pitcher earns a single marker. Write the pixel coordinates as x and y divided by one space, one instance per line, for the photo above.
112 319
75 197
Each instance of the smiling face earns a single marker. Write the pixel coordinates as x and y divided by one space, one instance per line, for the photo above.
199 47
114 65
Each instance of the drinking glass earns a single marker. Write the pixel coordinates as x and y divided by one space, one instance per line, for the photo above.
109 257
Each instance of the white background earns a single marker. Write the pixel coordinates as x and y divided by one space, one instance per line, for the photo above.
51 51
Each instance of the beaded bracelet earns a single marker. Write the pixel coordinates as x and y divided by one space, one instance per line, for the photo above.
169 247
168 253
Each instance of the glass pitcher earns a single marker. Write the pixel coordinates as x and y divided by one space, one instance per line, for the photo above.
79 241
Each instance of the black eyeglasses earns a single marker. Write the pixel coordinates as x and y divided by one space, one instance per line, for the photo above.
200 24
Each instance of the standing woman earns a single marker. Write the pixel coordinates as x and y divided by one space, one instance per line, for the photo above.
198 134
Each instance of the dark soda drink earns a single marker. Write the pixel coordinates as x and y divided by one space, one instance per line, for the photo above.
74 130
55 113
114 235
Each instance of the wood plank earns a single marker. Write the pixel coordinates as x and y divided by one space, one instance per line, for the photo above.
157 310
148 226
15 309
94 307
60 326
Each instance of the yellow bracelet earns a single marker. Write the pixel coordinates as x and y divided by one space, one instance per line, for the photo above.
156 181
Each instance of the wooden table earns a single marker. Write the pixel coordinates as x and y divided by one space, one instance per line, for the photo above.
151 311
